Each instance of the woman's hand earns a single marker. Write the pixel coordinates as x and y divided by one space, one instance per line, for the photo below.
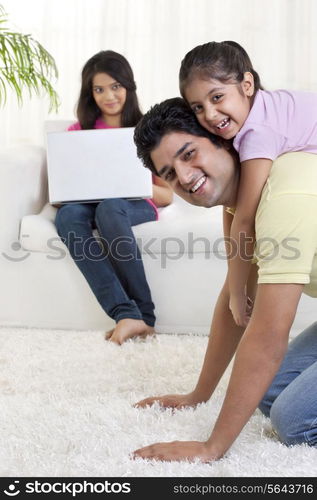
162 192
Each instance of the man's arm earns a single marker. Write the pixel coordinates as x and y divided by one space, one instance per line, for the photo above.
225 334
257 360
223 340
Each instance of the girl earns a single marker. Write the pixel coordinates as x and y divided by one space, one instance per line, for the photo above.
224 91
108 99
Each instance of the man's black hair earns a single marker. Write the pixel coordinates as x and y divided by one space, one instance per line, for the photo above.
172 115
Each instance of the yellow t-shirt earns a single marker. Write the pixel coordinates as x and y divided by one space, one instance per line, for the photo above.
286 223
230 210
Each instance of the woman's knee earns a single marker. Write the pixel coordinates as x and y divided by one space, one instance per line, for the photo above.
111 206
110 214
67 215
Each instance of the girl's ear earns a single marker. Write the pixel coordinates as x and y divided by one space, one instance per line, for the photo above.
248 84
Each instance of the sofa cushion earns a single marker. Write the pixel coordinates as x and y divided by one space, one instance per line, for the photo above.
181 229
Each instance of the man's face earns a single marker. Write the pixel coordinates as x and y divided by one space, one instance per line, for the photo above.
197 170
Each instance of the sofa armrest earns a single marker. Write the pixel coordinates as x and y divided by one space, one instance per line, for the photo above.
23 188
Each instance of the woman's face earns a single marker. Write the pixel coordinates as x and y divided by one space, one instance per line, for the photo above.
109 95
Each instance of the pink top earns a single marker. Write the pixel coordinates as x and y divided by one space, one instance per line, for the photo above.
279 122
98 124
101 124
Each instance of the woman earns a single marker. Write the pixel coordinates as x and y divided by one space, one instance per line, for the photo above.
108 99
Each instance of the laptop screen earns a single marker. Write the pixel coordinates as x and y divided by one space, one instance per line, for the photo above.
92 165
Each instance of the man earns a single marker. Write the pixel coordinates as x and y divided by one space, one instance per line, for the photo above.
204 171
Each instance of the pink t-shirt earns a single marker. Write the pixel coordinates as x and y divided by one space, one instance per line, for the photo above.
98 124
279 122
101 124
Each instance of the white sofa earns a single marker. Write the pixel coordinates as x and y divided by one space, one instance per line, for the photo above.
41 286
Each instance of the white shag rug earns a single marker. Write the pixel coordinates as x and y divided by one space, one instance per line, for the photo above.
66 410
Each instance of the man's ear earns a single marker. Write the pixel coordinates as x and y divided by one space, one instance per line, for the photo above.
225 143
228 146
248 84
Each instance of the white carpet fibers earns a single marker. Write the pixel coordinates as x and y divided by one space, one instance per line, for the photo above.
66 409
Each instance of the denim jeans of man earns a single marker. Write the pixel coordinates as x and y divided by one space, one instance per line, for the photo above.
291 400
112 265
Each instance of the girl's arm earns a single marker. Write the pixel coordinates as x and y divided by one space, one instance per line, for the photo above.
254 174
162 192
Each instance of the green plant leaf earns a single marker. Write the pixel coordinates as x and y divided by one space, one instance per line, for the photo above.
25 64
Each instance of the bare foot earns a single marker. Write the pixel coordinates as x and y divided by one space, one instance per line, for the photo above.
128 328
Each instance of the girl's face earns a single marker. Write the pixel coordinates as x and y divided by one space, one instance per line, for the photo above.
221 108
109 95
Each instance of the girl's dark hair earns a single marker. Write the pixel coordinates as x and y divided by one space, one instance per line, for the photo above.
115 65
172 115
221 61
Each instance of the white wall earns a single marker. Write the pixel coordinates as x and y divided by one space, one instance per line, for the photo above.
154 35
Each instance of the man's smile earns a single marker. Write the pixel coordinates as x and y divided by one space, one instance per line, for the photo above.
198 184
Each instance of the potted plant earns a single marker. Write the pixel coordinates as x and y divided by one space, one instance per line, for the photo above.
25 64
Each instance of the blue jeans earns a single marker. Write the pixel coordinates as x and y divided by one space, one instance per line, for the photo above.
112 265
291 400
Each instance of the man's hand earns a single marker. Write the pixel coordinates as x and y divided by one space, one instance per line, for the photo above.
175 401
177 451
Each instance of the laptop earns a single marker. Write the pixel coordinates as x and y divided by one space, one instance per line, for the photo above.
87 166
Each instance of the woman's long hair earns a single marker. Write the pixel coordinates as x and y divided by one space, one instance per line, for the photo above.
116 66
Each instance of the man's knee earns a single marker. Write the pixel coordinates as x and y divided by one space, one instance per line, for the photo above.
291 423
265 405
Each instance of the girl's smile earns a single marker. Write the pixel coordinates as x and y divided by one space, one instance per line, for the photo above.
221 108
